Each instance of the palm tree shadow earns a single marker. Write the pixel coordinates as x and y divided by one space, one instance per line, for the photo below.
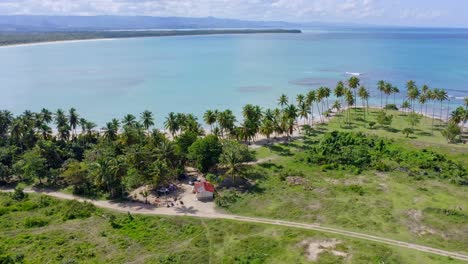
186 210
281 150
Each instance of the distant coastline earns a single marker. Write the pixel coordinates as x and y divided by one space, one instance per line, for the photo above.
33 38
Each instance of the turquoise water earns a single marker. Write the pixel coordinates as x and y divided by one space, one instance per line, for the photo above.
107 79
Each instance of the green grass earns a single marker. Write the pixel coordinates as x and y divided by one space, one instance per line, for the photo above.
391 204
99 236
424 136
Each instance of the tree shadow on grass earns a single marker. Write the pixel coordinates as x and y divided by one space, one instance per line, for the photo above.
391 129
424 133
281 150
271 166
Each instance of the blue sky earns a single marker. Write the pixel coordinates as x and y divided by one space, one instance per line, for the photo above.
442 13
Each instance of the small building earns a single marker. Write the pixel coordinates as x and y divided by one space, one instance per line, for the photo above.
203 190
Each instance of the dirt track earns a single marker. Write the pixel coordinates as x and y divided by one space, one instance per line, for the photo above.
138 208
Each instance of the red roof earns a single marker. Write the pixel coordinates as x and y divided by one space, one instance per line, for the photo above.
204 186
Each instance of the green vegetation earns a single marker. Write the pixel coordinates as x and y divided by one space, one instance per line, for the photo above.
13 38
37 229
384 172
370 180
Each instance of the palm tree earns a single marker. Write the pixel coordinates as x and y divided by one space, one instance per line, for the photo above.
405 105
226 121
147 119
350 101
422 101
267 128
129 120
339 90
326 93
353 83
304 111
83 122
364 95
337 107
395 90
110 131
311 98
73 120
60 118
46 116
432 95
210 118
388 89
172 124
46 131
290 115
441 96
381 88
424 93
412 92
300 99
283 100
320 96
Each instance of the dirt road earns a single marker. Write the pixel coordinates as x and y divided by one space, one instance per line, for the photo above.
207 212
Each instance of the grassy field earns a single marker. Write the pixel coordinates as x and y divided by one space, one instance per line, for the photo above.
41 229
390 204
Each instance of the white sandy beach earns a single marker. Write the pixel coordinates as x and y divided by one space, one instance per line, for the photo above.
55 42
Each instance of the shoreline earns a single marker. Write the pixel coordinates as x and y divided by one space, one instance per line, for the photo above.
44 43
18 39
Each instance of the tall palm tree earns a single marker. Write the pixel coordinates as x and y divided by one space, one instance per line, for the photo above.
110 131
339 91
46 116
267 128
422 101
432 95
226 121
441 96
364 95
283 100
83 122
381 88
350 101
290 114
129 120
304 111
320 96
424 93
311 98
405 105
395 90
412 92
210 117
387 90
147 119
300 99
74 120
337 107
354 83
172 124
326 95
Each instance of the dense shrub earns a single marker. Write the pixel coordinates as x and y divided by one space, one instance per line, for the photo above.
357 151
31 222
76 210
391 107
227 198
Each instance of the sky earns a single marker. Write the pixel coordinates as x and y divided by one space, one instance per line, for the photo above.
440 13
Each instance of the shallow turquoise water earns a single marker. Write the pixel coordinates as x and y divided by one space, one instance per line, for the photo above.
106 79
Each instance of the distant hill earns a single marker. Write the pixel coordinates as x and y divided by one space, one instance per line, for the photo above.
97 23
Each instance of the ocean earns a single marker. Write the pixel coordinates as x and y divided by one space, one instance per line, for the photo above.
190 74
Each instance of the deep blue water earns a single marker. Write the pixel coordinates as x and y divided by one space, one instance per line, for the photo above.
106 79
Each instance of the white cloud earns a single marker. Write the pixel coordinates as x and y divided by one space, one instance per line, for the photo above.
368 11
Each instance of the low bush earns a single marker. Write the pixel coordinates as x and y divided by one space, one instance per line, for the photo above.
391 107
227 198
77 210
31 222
356 152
